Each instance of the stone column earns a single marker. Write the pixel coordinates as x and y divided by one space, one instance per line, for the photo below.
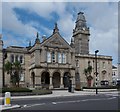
31 83
51 85
37 82
61 83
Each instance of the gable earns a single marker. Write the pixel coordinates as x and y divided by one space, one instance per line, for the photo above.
56 41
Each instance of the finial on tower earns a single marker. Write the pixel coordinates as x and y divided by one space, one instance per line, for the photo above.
56 30
30 43
80 13
37 39
37 35
0 36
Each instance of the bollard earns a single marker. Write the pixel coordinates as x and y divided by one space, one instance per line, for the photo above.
7 99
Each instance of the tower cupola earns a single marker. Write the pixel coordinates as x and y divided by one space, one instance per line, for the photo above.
81 35
81 22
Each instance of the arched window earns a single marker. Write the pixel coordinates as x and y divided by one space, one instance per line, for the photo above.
16 58
89 63
63 58
21 59
59 57
48 57
22 76
12 58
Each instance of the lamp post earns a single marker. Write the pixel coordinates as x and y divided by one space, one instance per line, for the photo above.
3 74
96 69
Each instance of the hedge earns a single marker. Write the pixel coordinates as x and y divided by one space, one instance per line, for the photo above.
102 87
15 89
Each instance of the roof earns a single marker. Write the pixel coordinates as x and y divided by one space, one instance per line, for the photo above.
114 67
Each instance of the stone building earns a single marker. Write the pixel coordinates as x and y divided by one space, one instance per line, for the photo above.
1 61
53 63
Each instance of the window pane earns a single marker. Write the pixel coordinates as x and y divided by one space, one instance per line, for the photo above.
48 57
16 58
21 77
21 59
12 58
59 58
63 58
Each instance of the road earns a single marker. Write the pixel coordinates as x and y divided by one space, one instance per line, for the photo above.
91 102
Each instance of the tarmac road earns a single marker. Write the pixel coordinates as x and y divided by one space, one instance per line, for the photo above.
88 102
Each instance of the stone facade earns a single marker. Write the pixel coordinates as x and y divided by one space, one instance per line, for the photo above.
1 62
53 63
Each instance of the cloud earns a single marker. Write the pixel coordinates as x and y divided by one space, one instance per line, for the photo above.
66 26
0 17
11 22
101 18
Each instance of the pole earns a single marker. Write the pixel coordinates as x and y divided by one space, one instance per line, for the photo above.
3 59
96 70
3 69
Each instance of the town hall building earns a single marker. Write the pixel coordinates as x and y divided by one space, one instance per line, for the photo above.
54 63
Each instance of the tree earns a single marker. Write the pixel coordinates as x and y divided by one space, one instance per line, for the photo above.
8 67
87 72
14 69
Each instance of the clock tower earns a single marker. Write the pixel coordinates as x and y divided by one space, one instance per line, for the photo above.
81 35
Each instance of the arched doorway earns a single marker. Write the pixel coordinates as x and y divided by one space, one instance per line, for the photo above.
66 79
45 79
56 80
33 79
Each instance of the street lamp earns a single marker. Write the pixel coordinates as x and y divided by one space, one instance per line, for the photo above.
96 69
3 74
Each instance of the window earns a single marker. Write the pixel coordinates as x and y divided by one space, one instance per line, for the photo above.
53 56
103 65
98 65
22 77
21 59
63 58
48 57
16 58
89 63
12 58
59 58
77 63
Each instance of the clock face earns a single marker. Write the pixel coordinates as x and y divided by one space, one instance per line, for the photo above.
83 28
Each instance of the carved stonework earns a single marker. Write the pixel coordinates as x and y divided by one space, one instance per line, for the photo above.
56 42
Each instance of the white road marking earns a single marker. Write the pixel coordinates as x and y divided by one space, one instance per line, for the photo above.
54 103
76 101
26 106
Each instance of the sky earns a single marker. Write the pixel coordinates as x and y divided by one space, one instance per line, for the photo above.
21 21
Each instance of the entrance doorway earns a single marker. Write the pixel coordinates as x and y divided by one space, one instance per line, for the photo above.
66 79
45 79
56 80
33 79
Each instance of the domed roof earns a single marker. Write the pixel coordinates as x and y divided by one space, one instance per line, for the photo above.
81 17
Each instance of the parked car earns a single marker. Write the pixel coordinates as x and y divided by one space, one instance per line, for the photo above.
118 83
104 83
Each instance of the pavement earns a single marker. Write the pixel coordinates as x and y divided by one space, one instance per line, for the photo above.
60 93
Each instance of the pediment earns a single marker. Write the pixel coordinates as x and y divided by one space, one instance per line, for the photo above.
56 41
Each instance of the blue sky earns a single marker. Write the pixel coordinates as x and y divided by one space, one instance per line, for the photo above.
21 21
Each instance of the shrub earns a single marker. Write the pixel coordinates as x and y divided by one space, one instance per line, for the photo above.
15 89
42 91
